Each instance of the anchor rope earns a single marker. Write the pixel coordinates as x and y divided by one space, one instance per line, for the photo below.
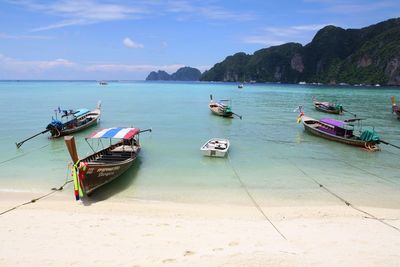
344 200
368 172
54 190
22 155
256 205
353 166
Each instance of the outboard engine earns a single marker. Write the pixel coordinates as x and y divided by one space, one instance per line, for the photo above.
55 128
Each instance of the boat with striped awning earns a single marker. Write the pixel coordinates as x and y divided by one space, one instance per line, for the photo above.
107 164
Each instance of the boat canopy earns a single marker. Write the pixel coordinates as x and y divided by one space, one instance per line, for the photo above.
81 112
117 133
333 122
224 102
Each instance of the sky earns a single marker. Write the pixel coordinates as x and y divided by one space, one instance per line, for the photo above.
125 40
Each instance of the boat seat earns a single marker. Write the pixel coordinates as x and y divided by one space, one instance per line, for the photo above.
115 157
125 148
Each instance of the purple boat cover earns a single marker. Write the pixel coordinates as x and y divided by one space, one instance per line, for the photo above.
333 122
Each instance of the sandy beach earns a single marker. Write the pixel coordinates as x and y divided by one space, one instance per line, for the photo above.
57 231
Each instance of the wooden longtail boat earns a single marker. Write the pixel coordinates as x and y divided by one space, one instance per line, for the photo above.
340 131
222 108
74 121
107 164
71 121
395 108
328 107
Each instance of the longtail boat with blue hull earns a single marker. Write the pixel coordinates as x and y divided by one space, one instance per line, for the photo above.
105 165
71 121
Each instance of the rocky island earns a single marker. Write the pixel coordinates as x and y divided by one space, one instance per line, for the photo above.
370 55
182 74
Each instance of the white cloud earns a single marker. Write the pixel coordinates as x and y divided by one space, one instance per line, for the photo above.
132 67
19 37
190 9
76 12
349 7
128 42
280 35
22 66
164 44
79 12
261 39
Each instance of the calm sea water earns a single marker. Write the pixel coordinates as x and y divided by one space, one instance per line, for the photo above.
272 155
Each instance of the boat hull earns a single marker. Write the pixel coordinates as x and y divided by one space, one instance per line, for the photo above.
323 108
212 150
310 127
86 121
98 175
217 111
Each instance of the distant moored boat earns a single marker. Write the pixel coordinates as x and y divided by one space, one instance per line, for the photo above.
328 107
340 131
70 121
395 108
222 108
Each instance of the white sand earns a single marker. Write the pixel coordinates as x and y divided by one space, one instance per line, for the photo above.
57 231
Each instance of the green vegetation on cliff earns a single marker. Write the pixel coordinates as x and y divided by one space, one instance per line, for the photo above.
182 74
357 56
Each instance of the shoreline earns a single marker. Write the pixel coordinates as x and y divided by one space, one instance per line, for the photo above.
134 232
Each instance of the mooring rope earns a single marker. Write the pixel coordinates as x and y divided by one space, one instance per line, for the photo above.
353 166
54 189
368 172
22 155
344 200
253 199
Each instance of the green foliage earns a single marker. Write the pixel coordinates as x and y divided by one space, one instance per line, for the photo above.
335 55
182 74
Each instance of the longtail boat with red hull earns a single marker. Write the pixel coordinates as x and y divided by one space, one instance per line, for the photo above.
71 121
105 165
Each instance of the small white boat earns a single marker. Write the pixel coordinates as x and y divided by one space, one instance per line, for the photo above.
215 147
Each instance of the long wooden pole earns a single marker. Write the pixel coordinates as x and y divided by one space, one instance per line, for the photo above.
70 142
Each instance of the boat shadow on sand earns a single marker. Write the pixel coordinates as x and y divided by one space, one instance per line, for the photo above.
114 187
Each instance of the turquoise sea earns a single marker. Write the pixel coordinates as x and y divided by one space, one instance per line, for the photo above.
270 153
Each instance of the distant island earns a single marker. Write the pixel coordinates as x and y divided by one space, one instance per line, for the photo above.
182 74
366 56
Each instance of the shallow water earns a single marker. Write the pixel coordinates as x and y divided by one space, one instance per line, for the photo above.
270 153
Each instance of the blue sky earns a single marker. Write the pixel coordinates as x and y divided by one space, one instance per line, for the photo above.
125 40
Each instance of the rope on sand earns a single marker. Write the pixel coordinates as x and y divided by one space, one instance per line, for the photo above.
54 189
22 155
344 200
252 198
